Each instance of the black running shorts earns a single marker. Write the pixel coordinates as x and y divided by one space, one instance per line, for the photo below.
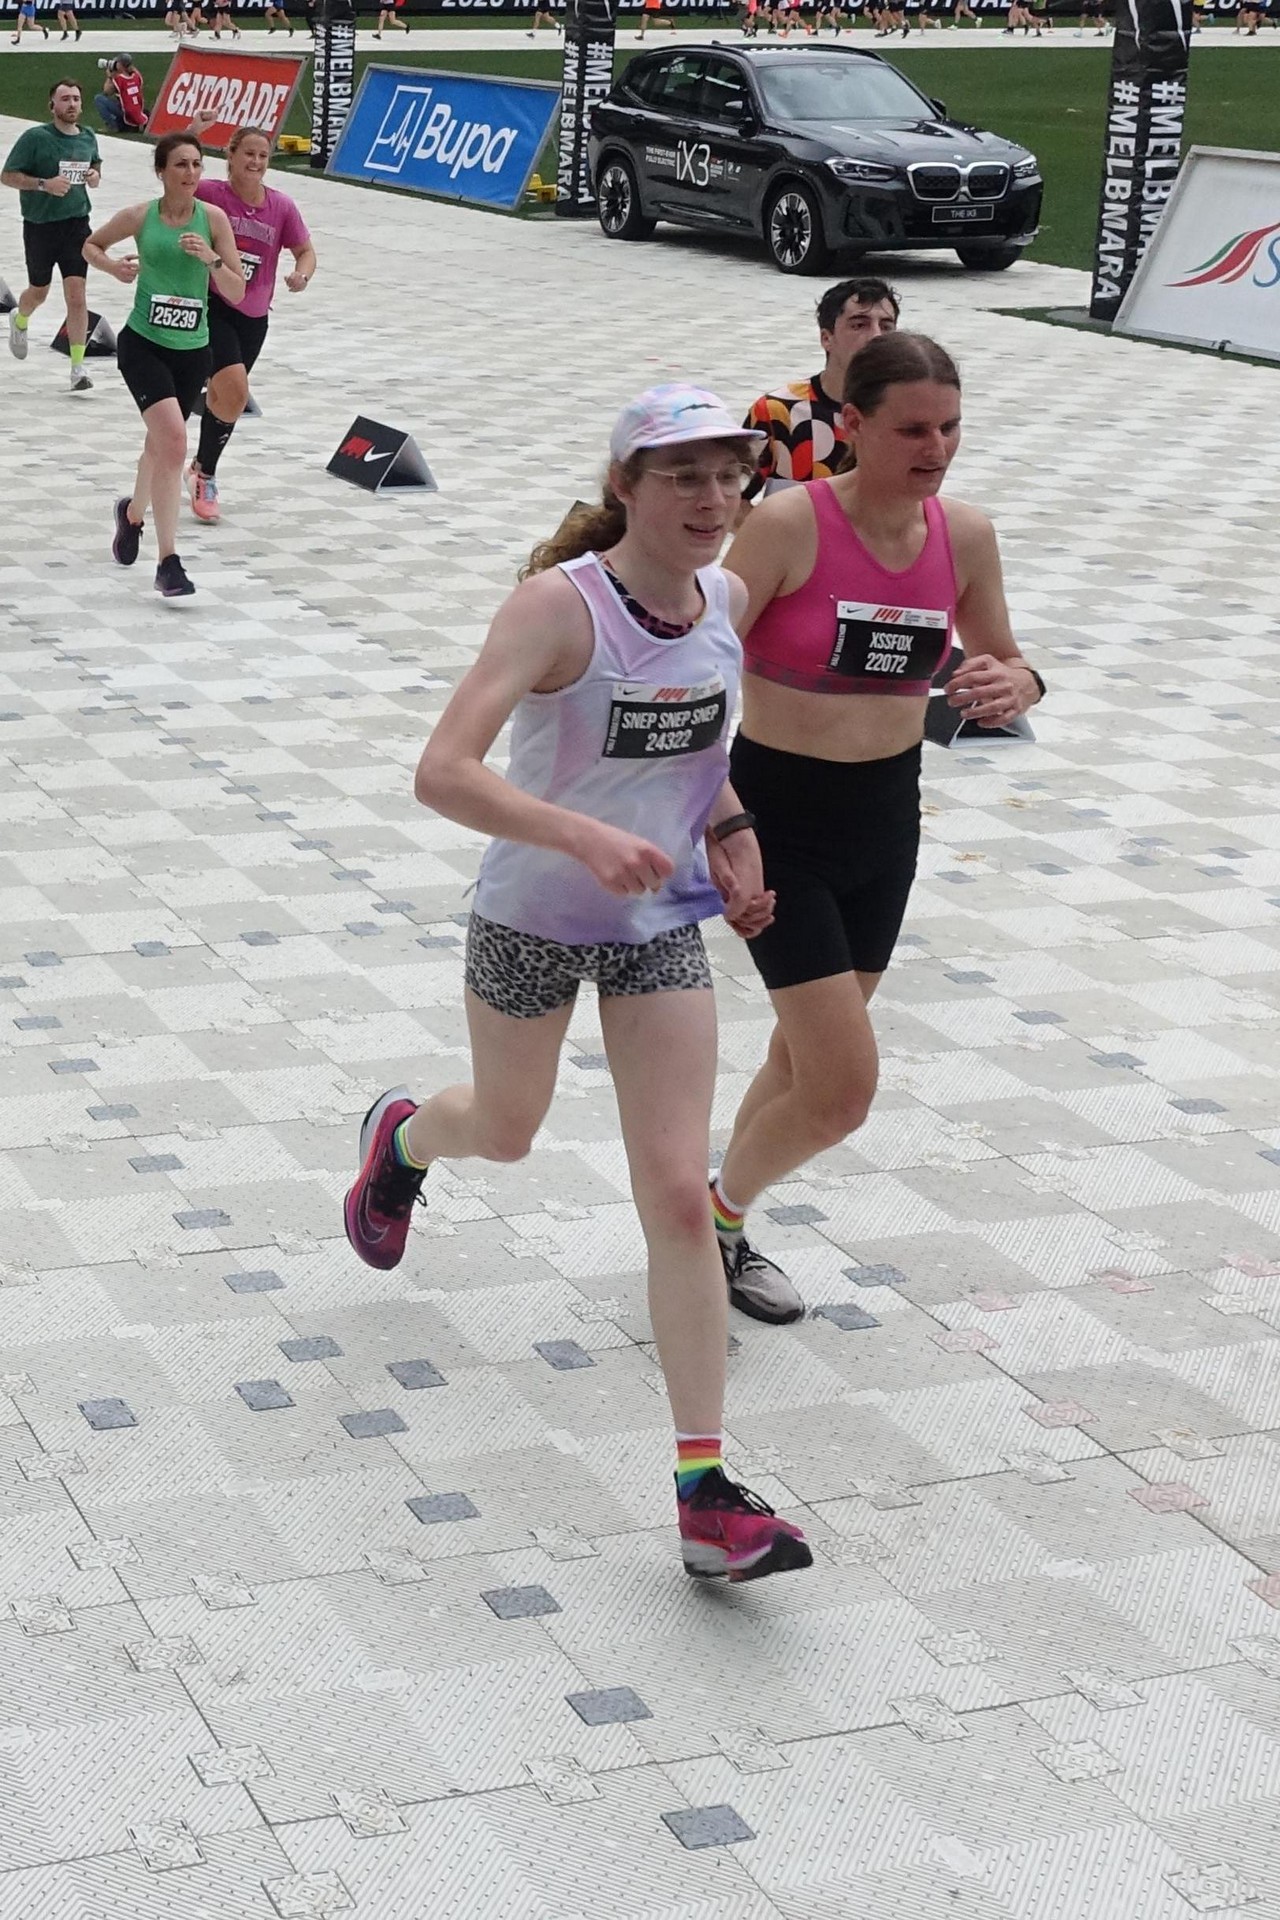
152 372
55 243
839 841
235 339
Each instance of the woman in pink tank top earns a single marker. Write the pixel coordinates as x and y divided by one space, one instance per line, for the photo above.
855 586
617 661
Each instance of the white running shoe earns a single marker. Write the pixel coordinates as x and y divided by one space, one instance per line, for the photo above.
80 381
17 337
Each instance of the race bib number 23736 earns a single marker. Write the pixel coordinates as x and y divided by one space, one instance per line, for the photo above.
662 723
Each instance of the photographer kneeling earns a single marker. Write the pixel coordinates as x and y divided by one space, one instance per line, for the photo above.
120 105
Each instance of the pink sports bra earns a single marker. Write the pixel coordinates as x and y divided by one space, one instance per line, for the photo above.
855 626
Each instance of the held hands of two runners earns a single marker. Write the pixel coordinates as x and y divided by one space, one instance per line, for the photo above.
737 873
992 692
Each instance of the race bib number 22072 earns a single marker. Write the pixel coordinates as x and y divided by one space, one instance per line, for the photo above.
662 723
886 646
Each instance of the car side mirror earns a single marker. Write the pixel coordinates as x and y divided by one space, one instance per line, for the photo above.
940 108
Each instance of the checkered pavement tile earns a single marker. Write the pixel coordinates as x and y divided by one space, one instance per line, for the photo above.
304 1567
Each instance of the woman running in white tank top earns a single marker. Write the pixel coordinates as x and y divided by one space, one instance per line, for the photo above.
618 663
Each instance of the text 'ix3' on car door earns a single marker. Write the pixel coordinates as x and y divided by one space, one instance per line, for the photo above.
701 163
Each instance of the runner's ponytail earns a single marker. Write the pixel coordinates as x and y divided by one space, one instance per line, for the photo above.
585 528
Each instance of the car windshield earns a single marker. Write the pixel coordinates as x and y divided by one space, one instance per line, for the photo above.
809 89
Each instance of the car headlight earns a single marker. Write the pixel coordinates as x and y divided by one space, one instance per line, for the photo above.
1027 169
864 170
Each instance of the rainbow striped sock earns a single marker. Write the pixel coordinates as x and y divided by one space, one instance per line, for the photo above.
728 1218
400 1141
696 1454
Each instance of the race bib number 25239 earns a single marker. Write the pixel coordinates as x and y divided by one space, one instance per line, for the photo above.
175 312
662 723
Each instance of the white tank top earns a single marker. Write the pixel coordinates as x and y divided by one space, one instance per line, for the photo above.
639 741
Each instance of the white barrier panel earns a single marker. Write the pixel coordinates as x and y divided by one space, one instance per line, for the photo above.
1211 275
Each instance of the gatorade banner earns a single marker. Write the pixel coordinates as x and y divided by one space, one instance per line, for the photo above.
1143 147
589 29
243 89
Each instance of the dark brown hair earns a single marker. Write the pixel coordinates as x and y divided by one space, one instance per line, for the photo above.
866 291
66 81
896 360
170 144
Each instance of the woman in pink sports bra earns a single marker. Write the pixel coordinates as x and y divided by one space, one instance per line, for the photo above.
855 585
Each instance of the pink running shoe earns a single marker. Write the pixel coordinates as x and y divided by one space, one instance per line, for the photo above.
724 1528
378 1207
204 495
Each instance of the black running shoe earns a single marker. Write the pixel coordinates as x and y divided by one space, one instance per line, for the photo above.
171 580
124 548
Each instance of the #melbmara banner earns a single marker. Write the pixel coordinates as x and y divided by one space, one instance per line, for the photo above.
333 42
1211 276
455 135
243 89
1143 141
589 39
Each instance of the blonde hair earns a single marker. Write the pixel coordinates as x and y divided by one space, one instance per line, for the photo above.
242 134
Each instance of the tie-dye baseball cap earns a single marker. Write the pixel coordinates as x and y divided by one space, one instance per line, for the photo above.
673 415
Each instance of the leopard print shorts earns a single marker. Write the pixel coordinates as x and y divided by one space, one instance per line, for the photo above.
525 976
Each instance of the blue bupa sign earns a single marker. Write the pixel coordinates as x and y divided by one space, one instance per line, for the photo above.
453 134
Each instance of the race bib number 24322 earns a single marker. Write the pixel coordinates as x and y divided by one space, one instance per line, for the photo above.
662 723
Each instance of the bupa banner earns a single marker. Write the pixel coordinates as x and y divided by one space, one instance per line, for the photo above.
242 89
1143 146
1211 276
456 135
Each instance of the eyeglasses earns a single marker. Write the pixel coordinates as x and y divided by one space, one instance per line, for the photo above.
690 482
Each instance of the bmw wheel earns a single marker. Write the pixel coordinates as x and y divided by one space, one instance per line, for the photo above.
793 231
618 203
993 257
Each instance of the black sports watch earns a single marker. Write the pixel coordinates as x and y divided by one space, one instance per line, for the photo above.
736 823
1036 677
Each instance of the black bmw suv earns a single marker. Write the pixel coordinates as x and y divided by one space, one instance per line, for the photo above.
818 149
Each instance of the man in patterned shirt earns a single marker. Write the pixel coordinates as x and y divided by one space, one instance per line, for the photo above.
802 420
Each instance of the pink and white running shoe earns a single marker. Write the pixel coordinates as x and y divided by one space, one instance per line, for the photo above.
378 1207
204 495
726 1529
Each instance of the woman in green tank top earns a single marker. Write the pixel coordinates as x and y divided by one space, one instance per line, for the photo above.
163 348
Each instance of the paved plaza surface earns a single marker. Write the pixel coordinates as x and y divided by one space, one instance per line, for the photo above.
327 1591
